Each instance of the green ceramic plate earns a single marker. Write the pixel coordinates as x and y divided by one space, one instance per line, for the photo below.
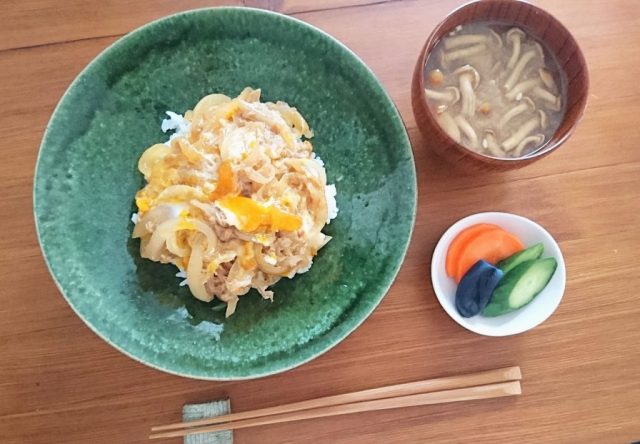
86 178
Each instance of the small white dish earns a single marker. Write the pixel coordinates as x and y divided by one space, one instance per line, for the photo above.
526 318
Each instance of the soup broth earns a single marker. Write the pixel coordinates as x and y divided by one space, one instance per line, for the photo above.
495 89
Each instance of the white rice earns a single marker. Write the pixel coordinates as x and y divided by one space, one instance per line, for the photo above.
332 206
305 269
182 275
317 158
177 123
329 193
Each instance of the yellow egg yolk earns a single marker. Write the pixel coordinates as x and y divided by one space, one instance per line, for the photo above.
248 260
253 216
185 225
212 267
143 204
227 183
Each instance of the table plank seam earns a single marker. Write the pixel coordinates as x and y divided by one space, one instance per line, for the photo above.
245 3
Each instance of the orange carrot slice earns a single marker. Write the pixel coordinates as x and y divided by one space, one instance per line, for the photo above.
492 245
461 241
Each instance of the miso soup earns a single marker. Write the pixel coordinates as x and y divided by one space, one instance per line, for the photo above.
495 89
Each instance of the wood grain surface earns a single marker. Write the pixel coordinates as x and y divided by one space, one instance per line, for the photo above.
59 383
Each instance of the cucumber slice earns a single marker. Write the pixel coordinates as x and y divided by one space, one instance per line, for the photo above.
520 286
531 253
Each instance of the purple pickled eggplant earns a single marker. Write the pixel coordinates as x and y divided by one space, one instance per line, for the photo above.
476 287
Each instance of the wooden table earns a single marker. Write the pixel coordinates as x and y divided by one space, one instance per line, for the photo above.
60 383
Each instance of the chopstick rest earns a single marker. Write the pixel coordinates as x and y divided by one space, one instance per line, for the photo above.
191 412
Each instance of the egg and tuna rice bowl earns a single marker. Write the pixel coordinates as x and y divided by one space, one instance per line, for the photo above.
235 199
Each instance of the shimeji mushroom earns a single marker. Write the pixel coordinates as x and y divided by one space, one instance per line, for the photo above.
447 57
514 36
540 121
472 39
449 126
463 40
496 38
521 88
449 96
522 63
547 79
469 80
537 140
490 143
544 121
467 130
551 101
521 107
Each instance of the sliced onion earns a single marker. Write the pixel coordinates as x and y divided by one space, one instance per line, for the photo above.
189 151
195 277
208 104
293 118
222 111
266 294
212 239
231 307
239 279
261 113
310 168
314 193
234 143
150 157
153 249
154 217
173 247
181 193
208 208
250 95
280 270
262 175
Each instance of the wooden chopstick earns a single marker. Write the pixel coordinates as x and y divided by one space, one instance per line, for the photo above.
397 390
462 394
410 388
